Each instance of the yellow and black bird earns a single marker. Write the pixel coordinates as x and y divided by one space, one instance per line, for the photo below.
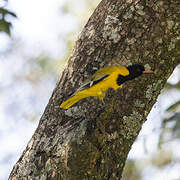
102 80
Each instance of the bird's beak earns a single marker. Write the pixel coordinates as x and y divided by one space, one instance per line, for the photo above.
148 72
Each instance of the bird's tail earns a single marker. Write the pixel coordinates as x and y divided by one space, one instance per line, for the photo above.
74 99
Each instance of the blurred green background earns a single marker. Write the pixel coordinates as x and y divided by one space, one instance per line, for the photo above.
36 39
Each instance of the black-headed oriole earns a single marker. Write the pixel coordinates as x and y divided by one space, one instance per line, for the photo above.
102 80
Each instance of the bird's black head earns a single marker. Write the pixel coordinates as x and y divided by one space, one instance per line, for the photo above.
135 70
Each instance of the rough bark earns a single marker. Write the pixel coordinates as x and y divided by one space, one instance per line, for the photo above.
90 140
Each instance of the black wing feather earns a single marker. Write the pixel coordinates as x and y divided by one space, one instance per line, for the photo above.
99 80
89 84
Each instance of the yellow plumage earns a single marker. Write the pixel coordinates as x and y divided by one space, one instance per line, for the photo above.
99 83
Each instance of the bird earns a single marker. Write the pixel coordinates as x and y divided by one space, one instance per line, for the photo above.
102 80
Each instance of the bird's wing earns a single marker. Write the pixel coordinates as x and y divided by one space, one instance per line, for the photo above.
99 75
90 82
103 72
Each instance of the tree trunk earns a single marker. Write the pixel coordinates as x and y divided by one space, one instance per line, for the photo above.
92 140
